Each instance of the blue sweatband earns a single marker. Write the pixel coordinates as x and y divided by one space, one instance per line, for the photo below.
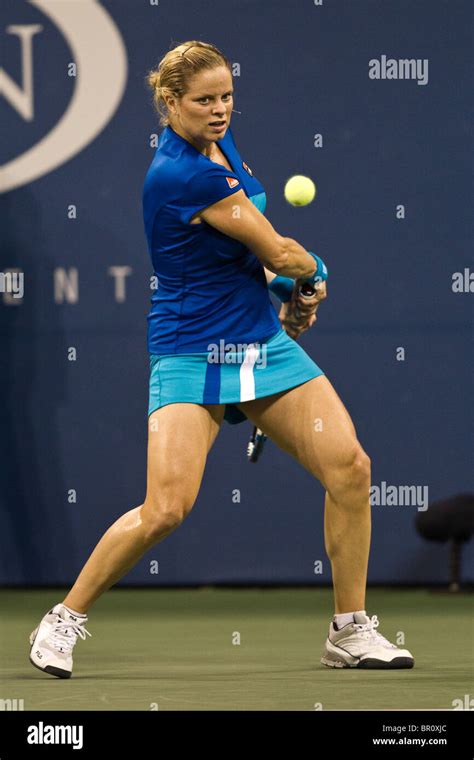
282 287
321 273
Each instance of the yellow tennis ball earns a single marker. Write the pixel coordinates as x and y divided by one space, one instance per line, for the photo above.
300 190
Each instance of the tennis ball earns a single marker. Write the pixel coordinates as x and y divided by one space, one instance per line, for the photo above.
300 190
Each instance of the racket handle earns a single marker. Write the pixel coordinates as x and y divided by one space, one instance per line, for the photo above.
256 444
306 290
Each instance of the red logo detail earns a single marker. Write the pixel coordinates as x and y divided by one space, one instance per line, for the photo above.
232 182
247 168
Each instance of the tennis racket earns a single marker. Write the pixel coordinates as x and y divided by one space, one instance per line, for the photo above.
258 437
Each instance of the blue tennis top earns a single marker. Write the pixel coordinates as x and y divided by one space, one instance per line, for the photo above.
211 287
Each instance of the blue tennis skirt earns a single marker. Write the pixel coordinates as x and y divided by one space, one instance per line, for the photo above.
230 373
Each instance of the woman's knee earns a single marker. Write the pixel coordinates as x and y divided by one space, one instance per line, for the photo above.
162 516
351 473
361 468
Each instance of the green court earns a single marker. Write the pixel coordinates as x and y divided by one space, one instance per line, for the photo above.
179 650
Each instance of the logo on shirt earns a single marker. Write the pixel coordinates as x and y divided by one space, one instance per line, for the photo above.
232 182
247 168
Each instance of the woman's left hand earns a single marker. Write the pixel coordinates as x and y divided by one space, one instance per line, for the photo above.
299 314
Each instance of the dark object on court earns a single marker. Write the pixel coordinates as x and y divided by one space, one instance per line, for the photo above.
449 520
256 444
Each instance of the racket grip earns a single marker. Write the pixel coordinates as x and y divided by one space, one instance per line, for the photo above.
306 290
255 445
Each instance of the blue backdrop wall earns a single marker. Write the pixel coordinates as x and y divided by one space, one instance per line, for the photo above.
392 220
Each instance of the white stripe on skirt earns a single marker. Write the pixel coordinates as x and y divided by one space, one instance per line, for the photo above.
247 380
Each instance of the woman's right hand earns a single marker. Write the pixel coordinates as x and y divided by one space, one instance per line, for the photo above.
299 314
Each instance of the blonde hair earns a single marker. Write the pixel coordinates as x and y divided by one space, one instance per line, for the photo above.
172 75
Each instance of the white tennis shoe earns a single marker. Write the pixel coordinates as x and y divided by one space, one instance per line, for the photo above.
53 640
359 645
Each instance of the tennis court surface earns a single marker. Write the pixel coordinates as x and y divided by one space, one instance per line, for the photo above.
177 649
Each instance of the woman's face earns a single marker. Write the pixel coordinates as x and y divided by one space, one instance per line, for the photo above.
208 99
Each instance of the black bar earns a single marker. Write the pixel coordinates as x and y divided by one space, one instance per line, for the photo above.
434 733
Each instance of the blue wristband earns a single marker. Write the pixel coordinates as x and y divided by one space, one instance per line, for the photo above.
321 273
282 287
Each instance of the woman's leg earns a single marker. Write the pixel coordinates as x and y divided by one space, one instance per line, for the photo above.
176 461
311 423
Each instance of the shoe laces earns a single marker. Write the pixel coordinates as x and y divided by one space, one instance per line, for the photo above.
369 632
64 635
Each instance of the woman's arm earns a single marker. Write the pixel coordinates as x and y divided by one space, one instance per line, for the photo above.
237 217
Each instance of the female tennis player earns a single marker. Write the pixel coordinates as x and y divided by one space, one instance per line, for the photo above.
218 350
